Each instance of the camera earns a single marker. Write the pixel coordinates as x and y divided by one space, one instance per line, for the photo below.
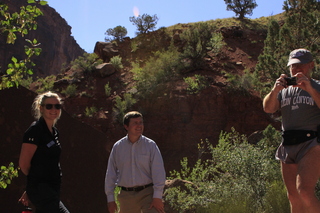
291 81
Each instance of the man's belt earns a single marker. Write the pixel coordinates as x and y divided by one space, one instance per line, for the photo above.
137 188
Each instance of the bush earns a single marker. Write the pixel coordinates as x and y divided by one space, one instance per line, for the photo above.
158 70
90 111
107 89
86 63
70 91
216 43
122 106
197 40
237 177
26 82
196 84
116 62
243 82
46 84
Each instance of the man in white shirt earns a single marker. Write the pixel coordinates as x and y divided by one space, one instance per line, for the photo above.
135 164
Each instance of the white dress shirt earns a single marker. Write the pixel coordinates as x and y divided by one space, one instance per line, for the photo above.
135 164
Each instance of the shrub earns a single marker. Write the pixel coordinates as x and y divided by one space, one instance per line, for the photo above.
46 84
158 70
243 82
26 82
216 43
107 89
197 40
116 62
70 91
196 84
90 111
134 46
86 63
237 177
122 106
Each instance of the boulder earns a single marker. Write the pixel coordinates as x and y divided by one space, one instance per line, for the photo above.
105 50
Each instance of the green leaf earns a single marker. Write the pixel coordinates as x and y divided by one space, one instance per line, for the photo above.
10 71
14 59
43 2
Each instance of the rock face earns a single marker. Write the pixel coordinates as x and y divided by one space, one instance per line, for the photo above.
54 34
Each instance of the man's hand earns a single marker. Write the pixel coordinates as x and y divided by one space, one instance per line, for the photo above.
157 204
112 207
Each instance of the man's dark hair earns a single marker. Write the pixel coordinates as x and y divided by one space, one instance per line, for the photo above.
129 115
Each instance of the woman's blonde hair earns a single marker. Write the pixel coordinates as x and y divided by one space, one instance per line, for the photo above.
39 100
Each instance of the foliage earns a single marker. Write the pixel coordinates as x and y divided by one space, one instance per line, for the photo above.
216 43
196 83
90 111
122 106
116 62
107 89
197 39
45 84
241 7
86 63
134 46
26 82
237 177
12 25
144 23
18 69
70 91
118 33
243 82
157 70
300 29
7 174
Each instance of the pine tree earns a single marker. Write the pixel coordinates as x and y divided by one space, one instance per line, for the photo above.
300 29
241 7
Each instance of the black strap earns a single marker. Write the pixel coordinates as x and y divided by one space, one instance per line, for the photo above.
136 189
293 137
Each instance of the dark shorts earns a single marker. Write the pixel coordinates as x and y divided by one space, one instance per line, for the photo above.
46 198
292 154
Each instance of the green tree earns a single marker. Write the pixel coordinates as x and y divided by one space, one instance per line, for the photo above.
11 25
241 7
118 33
300 29
197 43
144 23
19 24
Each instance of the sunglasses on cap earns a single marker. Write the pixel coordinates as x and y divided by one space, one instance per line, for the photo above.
50 106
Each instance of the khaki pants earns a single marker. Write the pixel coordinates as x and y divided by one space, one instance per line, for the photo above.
136 202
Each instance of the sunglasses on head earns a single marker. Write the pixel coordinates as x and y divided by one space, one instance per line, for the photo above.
50 106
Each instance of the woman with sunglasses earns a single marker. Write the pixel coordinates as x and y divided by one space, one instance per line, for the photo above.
40 156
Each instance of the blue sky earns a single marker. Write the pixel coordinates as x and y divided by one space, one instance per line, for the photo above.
90 19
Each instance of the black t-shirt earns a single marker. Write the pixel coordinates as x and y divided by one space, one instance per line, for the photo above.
45 163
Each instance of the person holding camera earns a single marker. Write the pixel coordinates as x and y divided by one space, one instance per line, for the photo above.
298 99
